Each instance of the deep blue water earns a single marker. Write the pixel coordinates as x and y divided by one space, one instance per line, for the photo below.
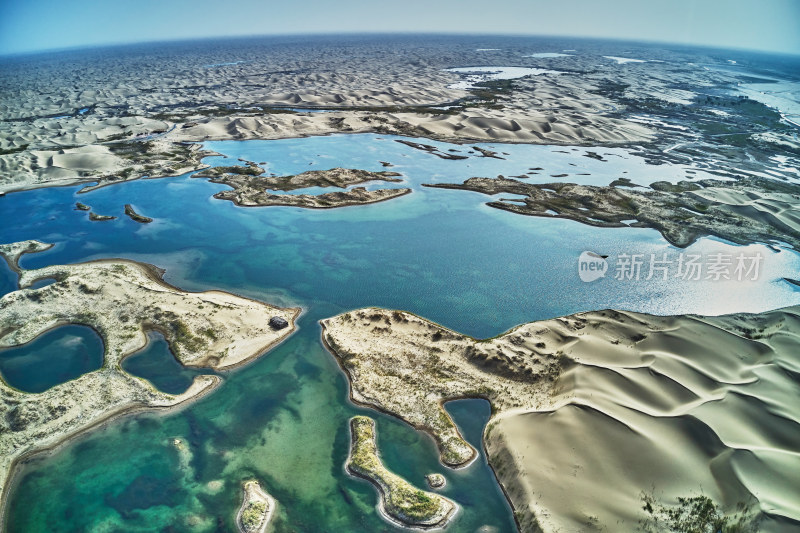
283 419
54 357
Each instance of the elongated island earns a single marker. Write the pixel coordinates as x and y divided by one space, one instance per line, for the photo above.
400 501
256 510
249 189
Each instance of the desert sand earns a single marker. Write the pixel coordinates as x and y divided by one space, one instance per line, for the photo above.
113 120
120 300
636 404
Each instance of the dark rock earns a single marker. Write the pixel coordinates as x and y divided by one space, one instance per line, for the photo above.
278 322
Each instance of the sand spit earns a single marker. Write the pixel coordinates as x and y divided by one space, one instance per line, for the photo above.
631 404
136 217
12 252
400 501
749 210
256 510
119 299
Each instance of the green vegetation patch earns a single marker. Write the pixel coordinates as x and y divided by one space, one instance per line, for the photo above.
253 514
401 499
695 514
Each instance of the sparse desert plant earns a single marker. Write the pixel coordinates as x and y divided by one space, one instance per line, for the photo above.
695 514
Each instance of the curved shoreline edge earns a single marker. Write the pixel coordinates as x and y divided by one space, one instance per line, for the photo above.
43 422
252 492
12 478
610 360
368 466
356 401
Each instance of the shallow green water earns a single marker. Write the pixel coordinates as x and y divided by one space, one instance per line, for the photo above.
283 419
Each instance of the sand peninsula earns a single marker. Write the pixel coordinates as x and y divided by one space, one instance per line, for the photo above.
748 210
256 510
249 189
596 413
120 300
399 501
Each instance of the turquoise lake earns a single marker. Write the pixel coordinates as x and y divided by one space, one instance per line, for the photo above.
442 254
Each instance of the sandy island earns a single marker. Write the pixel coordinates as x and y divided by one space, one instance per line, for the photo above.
249 189
592 411
148 122
120 300
399 501
256 510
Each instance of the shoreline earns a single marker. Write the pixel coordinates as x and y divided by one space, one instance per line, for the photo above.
145 277
469 463
9 484
391 520
157 274
605 343
13 260
380 506
514 511
405 192
268 498
385 412
461 141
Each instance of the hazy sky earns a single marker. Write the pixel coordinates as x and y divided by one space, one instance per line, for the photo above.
28 25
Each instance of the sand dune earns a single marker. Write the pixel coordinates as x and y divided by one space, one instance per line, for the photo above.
461 127
672 406
778 209
196 97
694 407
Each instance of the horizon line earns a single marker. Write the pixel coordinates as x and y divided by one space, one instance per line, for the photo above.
120 44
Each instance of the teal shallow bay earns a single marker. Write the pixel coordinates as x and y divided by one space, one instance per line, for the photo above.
283 419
